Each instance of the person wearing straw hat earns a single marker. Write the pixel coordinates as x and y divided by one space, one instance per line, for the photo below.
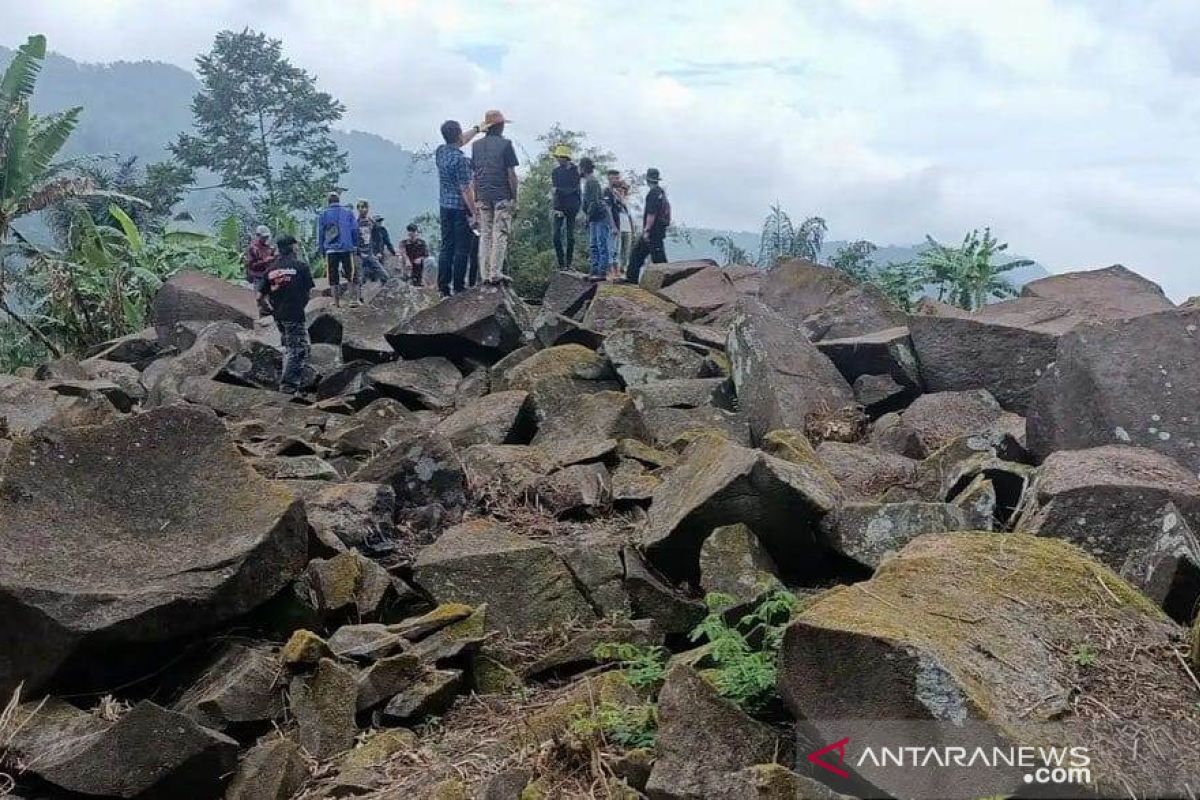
495 166
565 179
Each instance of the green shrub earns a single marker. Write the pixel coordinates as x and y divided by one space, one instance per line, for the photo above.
628 727
644 667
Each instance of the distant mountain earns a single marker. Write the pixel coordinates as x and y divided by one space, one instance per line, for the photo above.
136 108
699 247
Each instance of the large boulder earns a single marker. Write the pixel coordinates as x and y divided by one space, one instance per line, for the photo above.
733 562
641 358
712 289
1132 508
199 297
486 322
149 752
982 640
323 703
782 379
659 276
421 467
1003 347
144 530
525 585
557 375
568 294
239 687
887 352
702 737
589 427
865 473
618 305
827 303
934 420
1128 382
669 426
428 382
868 533
496 418
1106 294
684 393
26 406
720 483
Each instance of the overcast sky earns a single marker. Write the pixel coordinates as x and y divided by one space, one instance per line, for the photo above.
1069 126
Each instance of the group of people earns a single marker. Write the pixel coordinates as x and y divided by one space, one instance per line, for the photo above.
609 221
477 197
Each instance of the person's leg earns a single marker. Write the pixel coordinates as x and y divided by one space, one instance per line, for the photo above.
623 257
462 255
559 222
473 260
501 228
486 218
446 256
293 355
614 247
658 250
569 218
333 269
641 249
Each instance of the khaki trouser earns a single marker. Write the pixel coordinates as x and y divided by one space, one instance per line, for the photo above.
495 223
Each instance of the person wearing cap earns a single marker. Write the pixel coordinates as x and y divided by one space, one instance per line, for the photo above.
495 177
456 206
370 267
259 256
565 178
416 254
381 241
285 289
337 240
656 218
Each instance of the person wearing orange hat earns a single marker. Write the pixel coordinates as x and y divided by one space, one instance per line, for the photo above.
494 162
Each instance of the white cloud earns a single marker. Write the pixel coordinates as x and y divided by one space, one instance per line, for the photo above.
1070 126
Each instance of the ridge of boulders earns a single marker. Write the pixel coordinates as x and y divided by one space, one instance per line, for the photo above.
403 580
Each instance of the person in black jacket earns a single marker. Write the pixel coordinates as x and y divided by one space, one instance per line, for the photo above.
565 178
381 240
286 288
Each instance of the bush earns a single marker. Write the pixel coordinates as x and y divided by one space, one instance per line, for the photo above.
628 727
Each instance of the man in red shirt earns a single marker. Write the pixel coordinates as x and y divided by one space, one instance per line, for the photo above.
260 258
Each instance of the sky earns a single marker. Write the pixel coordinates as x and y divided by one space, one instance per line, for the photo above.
1071 127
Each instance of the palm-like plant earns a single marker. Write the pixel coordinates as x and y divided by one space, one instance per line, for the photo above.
781 238
729 250
965 275
29 179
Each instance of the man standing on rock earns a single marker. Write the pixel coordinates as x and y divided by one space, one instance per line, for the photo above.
656 218
599 219
286 288
456 205
495 166
565 179
370 267
337 239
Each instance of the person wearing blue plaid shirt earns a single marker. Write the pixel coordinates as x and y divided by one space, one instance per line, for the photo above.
456 206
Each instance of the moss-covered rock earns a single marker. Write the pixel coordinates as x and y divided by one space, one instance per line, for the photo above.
304 648
555 375
271 770
770 782
982 627
323 704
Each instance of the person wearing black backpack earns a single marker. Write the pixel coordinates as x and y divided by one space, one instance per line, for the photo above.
656 218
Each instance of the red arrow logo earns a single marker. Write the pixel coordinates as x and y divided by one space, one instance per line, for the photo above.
840 747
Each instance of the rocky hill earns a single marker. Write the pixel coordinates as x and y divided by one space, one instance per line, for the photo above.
729 535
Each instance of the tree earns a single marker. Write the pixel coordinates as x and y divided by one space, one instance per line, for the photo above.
854 259
262 125
965 275
781 239
729 251
900 282
146 195
30 180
